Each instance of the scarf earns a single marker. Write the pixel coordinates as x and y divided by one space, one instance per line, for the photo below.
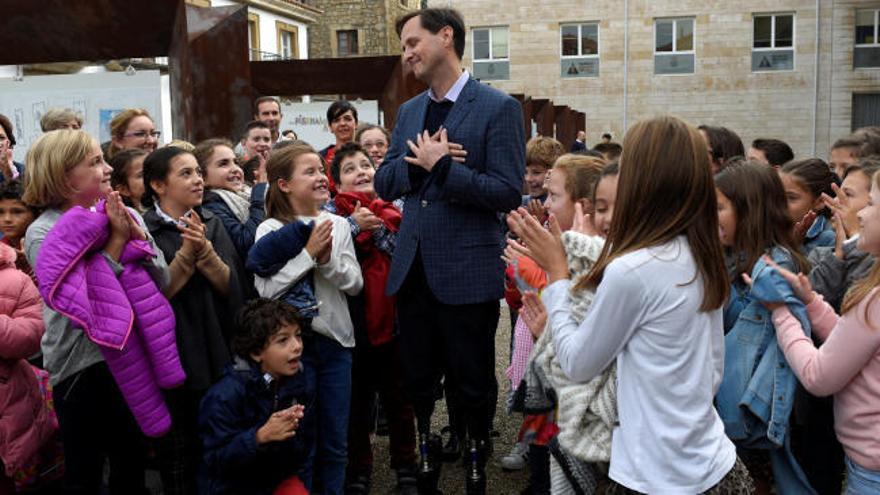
240 206
375 264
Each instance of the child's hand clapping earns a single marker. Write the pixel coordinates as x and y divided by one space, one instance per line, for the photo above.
536 209
320 242
193 233
281 425
539 244
583 222
840 204
534 313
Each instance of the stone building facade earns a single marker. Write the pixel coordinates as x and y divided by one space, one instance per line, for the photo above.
804 71
357 27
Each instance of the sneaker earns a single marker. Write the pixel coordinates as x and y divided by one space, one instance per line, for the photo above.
360 485
517 459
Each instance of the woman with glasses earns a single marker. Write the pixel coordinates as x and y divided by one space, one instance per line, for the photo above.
133 128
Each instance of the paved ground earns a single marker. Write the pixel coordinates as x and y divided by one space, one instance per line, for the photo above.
452 480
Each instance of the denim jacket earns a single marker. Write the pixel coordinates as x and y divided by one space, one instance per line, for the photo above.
757 392
820 234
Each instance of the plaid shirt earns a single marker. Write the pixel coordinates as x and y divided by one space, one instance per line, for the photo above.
384 239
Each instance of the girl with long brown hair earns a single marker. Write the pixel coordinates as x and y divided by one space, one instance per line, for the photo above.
754 220
660 286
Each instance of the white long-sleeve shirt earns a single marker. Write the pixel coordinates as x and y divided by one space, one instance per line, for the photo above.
670 359
339 276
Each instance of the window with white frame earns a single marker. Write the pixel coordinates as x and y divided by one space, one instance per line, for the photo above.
491 53
287 40
674 46
579 49
772 42
866 54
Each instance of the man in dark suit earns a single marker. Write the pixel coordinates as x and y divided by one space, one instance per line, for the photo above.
457 158
580 142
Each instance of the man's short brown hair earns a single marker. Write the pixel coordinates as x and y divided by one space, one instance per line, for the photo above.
436 19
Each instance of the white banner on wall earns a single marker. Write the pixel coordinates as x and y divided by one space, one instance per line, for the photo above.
309 120
97 96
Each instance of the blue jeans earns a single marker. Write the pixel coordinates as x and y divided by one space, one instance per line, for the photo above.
329 368
861 481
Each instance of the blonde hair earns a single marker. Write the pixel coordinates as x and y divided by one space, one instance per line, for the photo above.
49 159
58 118
180 143
120 123
864 287
582 173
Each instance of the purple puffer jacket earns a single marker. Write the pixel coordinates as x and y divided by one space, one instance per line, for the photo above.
127 316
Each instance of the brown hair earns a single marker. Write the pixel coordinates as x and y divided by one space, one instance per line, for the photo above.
369 127
762 220
665 190
543 151
849 142
280 166
725 144
611 150
264 99
869 137
868 166
435 19
814 176
119 163
345 151
863 288
119 124
205 150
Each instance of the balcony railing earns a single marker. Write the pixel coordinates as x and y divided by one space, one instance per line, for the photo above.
257 56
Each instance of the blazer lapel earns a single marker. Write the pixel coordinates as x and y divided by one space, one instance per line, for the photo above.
462 106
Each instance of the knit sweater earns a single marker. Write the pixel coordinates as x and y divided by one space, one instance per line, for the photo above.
587 411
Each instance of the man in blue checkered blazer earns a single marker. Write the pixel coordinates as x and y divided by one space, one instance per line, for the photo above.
457 158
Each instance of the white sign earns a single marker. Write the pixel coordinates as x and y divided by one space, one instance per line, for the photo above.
309 120
97 96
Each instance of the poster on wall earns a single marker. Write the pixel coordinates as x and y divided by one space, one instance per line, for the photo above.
98 97
309 120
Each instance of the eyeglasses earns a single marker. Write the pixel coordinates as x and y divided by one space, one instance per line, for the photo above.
144 134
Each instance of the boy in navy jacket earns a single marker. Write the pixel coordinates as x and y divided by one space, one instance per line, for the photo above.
255 423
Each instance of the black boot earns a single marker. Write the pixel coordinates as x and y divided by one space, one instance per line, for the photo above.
428 474
475 474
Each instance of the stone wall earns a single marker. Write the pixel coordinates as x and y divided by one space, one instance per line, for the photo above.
723 89
372 19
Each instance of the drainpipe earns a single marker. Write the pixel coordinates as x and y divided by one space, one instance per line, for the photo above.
626 60
816 79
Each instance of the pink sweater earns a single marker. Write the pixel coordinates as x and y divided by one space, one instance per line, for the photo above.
847 365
